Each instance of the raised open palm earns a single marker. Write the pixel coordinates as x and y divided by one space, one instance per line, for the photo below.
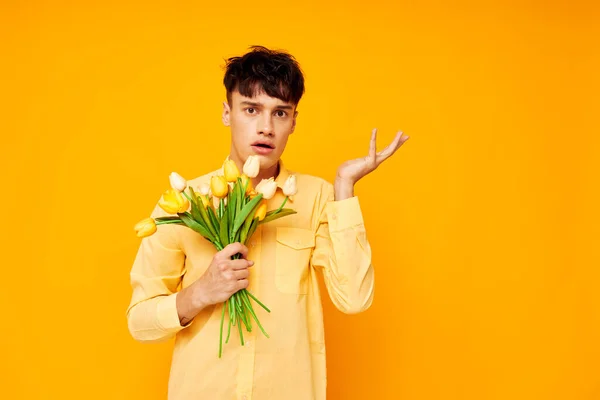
353 170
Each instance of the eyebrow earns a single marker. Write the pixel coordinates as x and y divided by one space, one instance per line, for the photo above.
254 104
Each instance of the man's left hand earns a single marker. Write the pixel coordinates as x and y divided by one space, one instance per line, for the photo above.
351 171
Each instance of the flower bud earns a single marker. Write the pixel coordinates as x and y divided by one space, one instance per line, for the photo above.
289 187
252 167
145 227
173 202
267 187
177 182
218 186
230 171
261 211
204 189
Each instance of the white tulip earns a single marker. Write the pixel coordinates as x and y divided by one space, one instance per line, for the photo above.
289 187
204 189
267 187
251 167
177 182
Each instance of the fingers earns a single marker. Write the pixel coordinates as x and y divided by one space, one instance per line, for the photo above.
243 284
241 274
373 144
240 264
232 249
392 147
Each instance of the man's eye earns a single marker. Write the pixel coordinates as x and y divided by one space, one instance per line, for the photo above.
250 110
281 113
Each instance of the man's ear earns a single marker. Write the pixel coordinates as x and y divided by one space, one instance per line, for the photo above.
294 121
226 114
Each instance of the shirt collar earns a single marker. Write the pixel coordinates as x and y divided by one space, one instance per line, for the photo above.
282 176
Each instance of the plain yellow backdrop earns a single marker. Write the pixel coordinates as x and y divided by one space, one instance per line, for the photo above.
484 226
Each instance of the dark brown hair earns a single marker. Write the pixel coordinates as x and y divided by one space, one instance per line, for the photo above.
277 73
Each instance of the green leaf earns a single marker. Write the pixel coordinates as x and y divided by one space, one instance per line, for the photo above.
284 212
243 214
231 207
241 201
252 229
192 224
193 195
244 231
208 223
213 217
197 215
223 231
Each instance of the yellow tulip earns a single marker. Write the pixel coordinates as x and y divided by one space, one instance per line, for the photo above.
218 186
230 170
250 187
173 202
261 212
145 227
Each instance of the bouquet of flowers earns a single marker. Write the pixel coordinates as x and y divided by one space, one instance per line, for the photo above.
227 211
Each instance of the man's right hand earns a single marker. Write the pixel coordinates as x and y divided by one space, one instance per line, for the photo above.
224 276
219 282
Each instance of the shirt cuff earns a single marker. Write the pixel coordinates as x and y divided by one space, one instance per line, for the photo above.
166 314
344 214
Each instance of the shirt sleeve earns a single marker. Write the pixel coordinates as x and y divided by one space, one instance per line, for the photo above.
343 253
155 276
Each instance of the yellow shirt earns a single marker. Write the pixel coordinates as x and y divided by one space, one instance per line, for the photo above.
324 235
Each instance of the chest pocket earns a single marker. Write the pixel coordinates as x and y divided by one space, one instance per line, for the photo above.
294 248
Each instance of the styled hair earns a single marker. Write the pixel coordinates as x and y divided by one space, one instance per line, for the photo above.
274 72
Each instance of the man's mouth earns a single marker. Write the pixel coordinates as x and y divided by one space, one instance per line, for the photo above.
263 144
263 148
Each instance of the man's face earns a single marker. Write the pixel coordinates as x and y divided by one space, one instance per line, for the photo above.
260 125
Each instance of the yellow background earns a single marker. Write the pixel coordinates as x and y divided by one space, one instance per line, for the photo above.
484 226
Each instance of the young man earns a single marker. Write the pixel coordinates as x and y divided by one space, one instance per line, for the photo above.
180 281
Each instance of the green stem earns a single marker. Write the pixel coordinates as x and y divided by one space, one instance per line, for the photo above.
172 221
241 334
256 300
188 197
221 332
282 204
234 314
249 307
230 321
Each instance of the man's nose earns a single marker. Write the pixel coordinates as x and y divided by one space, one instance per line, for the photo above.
266 125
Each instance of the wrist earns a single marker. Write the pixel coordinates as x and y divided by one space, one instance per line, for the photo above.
198 296
343 188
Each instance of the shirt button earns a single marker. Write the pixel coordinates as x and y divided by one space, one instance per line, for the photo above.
244 397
